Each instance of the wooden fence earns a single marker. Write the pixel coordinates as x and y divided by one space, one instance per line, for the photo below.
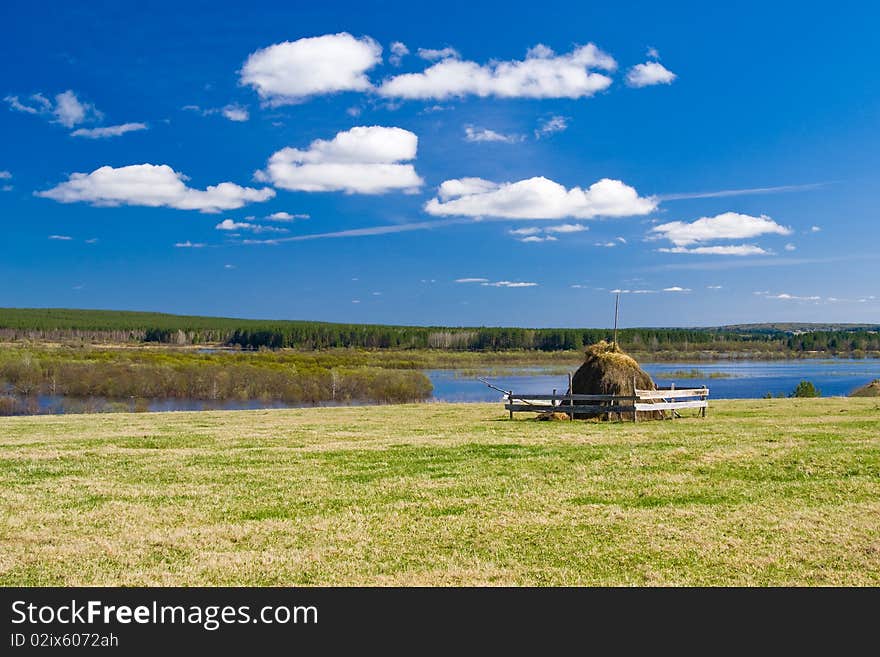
670 399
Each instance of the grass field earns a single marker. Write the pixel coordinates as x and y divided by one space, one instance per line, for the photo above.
761 492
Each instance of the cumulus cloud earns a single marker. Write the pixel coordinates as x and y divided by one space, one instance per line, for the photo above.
67 109
729 225
815 229
230 225
151 185
649 74
484 134
549 126
734 250
286 216
545 234
289 72
364 160
433 55
542 74
398 52
537 198
108 131
566 228
235 112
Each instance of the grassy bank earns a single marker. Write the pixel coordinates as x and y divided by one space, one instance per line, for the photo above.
761 492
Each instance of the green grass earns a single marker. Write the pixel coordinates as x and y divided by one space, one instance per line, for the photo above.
775 492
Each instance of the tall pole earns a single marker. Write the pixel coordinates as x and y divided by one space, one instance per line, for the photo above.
616 308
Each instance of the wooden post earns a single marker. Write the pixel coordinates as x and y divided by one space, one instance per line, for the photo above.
672 411
616 308
570 402
510 403
635 412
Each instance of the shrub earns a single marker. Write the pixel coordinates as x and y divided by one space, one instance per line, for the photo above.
806 389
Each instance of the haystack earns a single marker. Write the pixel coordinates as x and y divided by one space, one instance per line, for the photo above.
607 370
870 390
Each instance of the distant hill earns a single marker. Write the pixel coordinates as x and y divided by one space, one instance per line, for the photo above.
798 327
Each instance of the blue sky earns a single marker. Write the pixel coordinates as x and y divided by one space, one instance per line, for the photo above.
459 163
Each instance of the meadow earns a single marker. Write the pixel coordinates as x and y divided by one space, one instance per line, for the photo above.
762 492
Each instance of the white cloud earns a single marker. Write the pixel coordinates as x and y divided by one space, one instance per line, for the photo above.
536 238
788 297
364 160
63 238
5 175
228 266
235 112
152 185
790 247
92 240
108 131
68 110
537 198
607 245
189 245
398 52
734 250
652 53
525 231
550 126
676 288
433 55
286 216
232 111
566 228
471 280
483 134
230 225
542 74
508 284
714 287
815 229
722 193
729 225
649 74
287 73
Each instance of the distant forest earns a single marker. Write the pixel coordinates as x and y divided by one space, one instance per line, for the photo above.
102 326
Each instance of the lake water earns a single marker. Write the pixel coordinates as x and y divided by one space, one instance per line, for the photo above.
745 379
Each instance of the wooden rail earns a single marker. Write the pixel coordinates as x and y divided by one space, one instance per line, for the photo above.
644 401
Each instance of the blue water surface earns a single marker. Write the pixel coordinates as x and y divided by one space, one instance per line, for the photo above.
747 379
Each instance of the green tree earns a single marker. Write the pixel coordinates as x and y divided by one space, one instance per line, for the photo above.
806 389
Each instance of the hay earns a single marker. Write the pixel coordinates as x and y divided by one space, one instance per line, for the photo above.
552 416
870 390
607 370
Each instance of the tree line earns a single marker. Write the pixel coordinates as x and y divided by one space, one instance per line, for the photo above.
123 326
